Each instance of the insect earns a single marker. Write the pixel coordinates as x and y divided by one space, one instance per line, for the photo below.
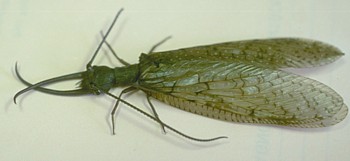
240 81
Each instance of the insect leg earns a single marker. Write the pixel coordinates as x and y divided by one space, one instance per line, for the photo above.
114 53
153 48
146 114
126 90
88 65
155 113
158 44
165 125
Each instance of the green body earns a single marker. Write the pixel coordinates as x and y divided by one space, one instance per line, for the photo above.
238 81
235 81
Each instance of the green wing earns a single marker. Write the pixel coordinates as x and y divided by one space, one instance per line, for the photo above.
271 53
240 92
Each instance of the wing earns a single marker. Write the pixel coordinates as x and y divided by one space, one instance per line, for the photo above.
241 92
272 53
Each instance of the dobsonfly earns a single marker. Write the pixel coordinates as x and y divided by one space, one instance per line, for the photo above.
239 81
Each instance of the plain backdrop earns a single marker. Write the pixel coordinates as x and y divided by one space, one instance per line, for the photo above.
51 38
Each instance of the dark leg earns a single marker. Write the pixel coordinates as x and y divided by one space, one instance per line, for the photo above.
165 125
114 53
160 43
155 113
88 65
126 90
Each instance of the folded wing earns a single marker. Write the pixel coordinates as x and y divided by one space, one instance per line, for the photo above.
271 53
241 92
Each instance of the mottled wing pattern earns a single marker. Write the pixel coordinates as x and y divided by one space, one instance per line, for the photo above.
272 53
240 92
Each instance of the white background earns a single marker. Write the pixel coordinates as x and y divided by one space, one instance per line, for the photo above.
51 38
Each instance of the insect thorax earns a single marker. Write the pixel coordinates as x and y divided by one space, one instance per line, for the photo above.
103 78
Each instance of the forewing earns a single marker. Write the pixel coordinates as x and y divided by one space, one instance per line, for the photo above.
243 93
271 53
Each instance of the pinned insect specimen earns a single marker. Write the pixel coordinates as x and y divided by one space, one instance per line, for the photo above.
239 81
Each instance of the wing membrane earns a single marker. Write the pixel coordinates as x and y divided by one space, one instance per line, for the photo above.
271 53
242 92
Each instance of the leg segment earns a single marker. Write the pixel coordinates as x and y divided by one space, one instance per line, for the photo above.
126 90
165 125
155 113
114 53
158 44
88 65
